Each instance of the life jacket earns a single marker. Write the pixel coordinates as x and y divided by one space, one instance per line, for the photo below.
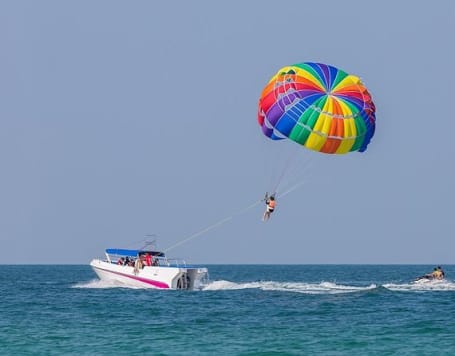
148 260
437 274
271 204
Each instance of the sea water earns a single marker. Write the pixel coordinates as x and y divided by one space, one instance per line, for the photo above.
242 310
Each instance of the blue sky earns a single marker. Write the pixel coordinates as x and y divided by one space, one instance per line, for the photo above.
120 119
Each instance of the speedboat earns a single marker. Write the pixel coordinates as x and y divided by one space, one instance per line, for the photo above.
148 269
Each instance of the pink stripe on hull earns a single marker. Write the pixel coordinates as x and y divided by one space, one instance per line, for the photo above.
140 279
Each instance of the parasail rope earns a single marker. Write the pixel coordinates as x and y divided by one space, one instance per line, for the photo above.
290 190
280 178
292 156
229 218
306 166
218 223
243 210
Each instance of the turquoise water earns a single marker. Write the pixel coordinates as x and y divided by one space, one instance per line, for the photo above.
243 310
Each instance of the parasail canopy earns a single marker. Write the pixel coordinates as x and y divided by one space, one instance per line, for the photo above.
318 106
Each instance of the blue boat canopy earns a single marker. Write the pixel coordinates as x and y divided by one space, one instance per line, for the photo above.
134 253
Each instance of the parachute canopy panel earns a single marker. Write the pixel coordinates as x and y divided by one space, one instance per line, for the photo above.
318 106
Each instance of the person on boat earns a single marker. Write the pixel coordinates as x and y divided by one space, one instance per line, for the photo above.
148 259
138 265
437 273
121 261
442 271
270 206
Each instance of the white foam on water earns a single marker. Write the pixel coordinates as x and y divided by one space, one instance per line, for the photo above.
296 287
421 286
101 284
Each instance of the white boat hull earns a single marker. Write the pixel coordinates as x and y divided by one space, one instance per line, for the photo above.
158 277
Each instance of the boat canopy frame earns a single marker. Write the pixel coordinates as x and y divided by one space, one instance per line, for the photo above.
133 253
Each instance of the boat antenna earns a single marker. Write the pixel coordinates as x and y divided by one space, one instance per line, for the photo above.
148 243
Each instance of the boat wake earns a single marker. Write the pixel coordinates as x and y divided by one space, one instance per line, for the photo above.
104 284
296 287
421 286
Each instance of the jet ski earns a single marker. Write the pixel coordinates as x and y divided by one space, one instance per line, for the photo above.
426 279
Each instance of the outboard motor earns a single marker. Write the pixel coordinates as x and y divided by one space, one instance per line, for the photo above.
184 281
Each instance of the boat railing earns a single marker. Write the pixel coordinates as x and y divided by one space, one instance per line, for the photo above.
157 261
170 262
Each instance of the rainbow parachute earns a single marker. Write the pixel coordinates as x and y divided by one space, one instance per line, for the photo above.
318 106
